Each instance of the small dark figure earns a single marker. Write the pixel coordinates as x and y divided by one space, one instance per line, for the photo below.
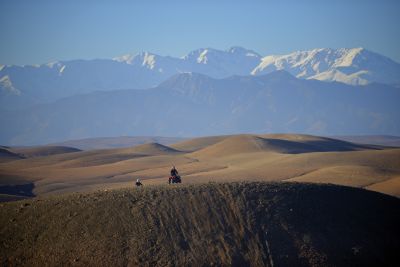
174 178
138 182
174 172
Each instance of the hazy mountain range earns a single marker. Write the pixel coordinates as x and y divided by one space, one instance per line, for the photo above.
24 86
191 104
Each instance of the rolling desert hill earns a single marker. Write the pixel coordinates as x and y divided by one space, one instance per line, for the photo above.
117 142
40 151
194 144
213 224
246 157
251 144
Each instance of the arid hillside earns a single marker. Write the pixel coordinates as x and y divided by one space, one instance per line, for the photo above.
117 142
212 224
26 172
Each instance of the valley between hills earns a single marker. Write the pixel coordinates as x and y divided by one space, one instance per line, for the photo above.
48 170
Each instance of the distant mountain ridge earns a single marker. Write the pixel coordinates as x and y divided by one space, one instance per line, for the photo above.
23 86
191 104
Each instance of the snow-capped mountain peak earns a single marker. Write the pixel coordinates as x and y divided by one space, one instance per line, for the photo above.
348 65
7 85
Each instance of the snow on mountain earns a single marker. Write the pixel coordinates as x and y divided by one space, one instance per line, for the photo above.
6 85
144 59
356 66
221 64
28 85
55 80
209 61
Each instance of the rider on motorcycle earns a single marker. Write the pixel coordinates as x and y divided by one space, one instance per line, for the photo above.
174 172
174 178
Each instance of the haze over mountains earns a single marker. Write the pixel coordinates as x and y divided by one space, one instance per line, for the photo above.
192 104
206 92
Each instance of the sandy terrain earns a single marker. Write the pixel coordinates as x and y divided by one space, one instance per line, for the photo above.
277 157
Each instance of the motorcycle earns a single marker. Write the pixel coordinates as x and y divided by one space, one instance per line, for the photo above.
176 179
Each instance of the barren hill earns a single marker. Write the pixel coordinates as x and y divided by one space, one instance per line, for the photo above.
198 143
287 144
233 224
40 151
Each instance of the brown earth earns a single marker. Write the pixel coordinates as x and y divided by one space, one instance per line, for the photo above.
232 224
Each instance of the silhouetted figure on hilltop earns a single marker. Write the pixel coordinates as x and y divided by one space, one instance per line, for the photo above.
174 178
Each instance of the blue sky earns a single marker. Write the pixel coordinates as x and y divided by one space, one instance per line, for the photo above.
42 31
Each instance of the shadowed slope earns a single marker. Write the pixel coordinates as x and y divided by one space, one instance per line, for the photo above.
241 144
284 144
237 224
6 155
154 149
40 151
321 144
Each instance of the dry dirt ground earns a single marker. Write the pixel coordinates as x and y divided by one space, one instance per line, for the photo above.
212 224
26 172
